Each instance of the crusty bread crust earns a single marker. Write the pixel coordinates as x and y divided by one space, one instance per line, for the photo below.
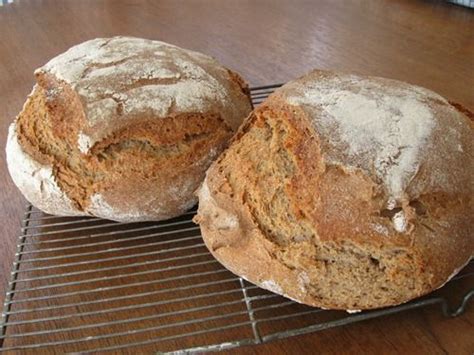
301 204
123 128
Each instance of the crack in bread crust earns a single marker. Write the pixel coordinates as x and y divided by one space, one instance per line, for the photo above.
124 78
267 154
156 144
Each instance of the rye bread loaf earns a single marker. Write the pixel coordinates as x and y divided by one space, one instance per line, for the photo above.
345 192
123 128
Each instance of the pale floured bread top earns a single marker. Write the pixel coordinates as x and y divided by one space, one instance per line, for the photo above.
123 78
385 127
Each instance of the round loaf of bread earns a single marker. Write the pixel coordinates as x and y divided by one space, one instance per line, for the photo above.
350 192
123 128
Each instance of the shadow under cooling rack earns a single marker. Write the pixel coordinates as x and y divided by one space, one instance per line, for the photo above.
87 284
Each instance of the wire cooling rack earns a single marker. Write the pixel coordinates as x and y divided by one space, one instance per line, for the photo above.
88 285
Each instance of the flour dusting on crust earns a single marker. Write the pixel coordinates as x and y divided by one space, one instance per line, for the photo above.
400 222
225 220
36 181
271 285
380 229
303 281
380 127
83 142
99 207
121 78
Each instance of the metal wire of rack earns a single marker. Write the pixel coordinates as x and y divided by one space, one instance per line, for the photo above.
87 285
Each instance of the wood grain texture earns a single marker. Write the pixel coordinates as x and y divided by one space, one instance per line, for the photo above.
429 43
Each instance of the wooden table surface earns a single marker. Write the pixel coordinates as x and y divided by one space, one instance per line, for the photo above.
430 43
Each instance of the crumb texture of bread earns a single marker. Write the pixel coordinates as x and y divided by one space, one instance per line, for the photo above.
123 128
351 192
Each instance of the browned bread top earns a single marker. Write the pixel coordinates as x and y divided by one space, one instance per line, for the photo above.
352 192
123 128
